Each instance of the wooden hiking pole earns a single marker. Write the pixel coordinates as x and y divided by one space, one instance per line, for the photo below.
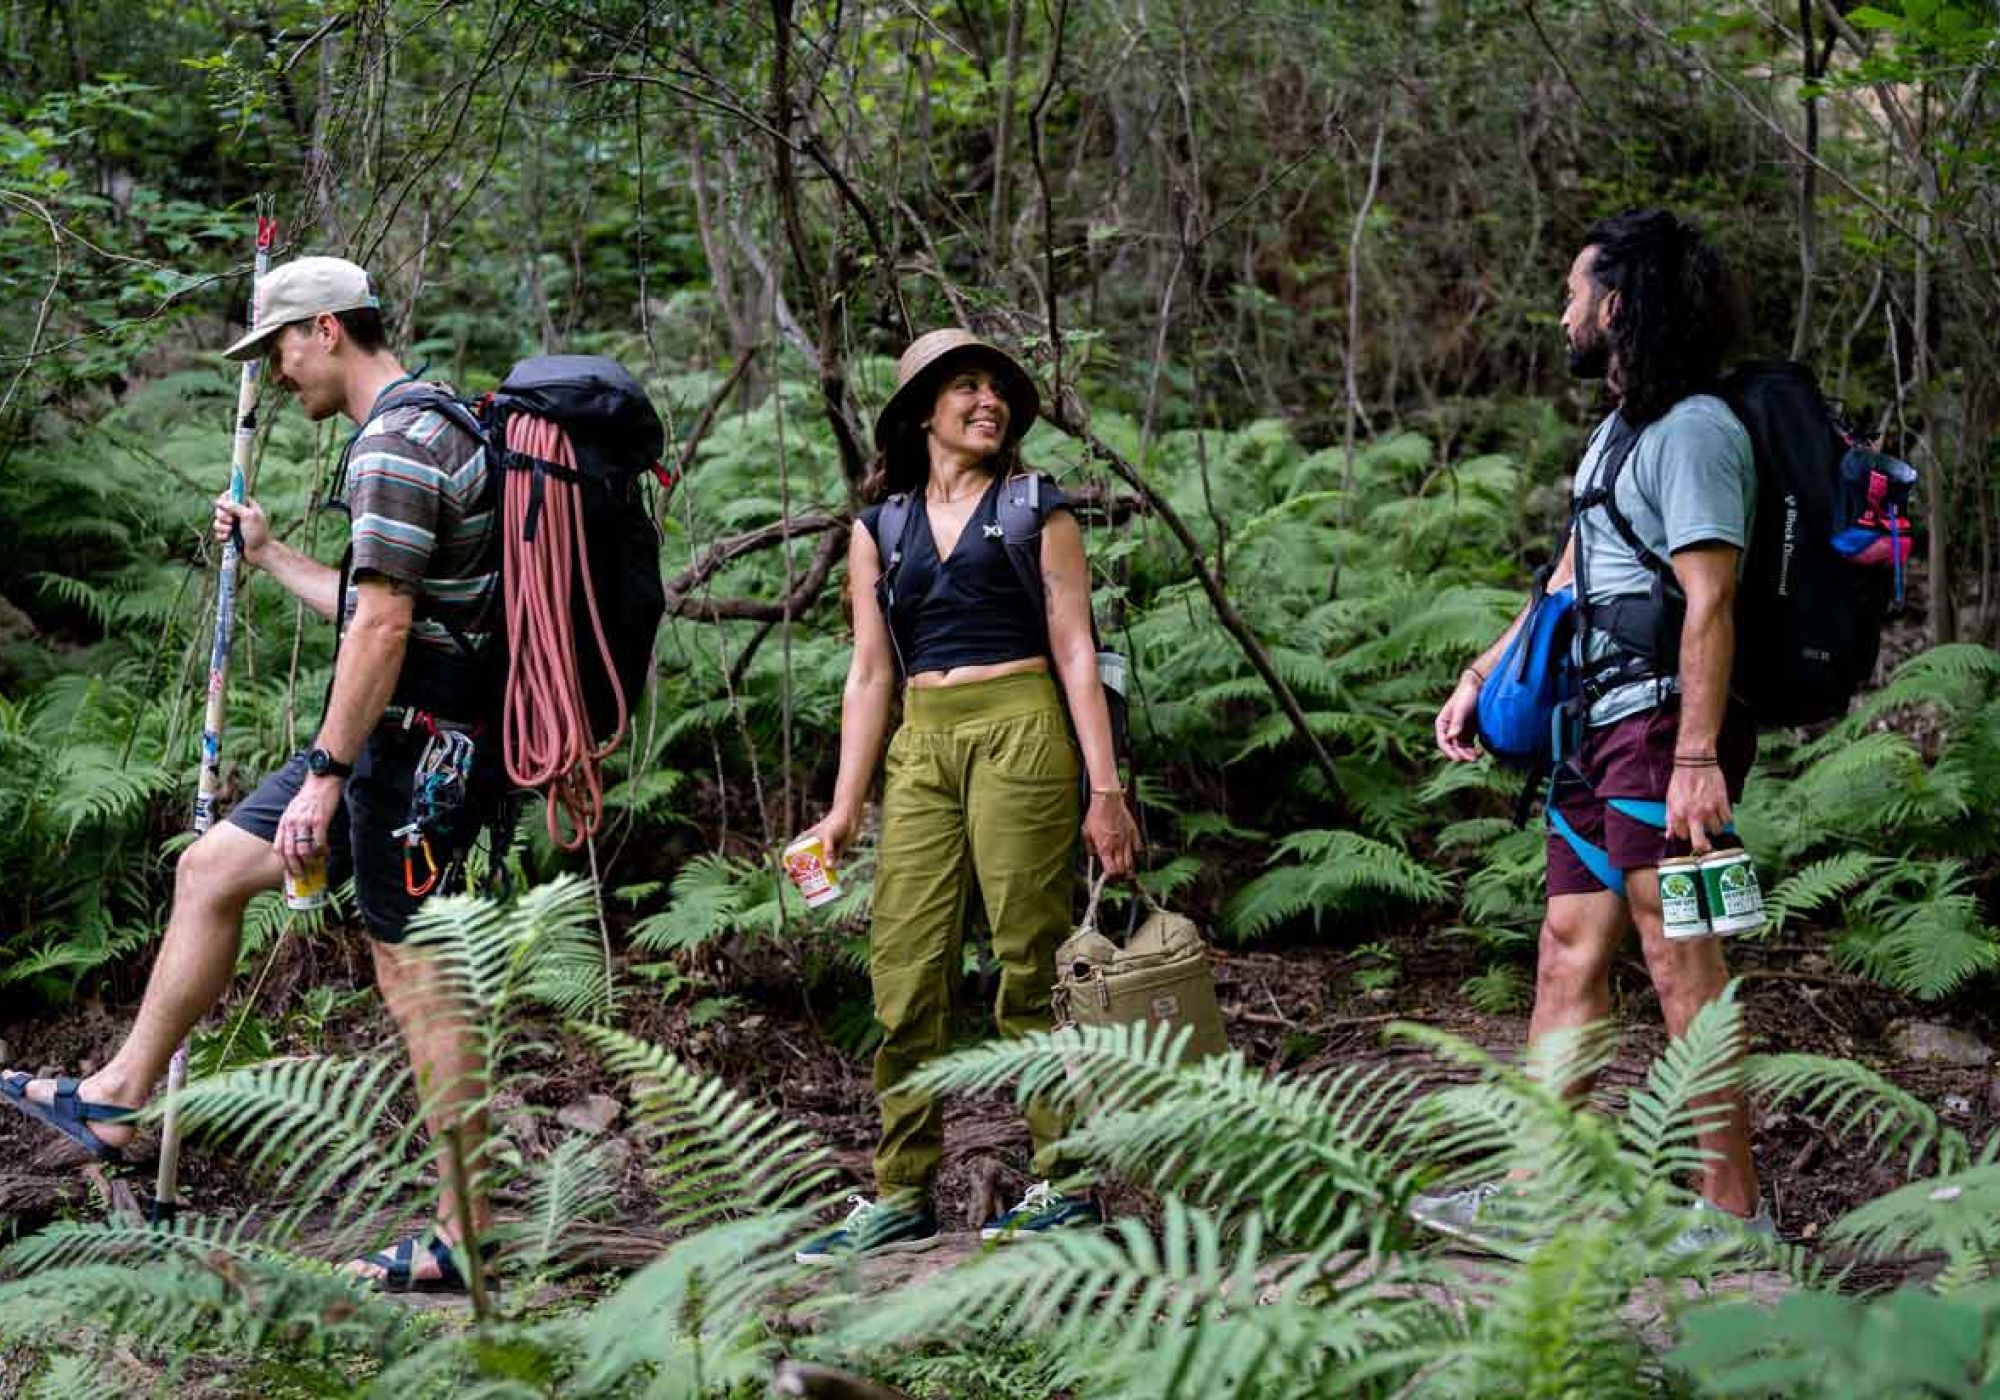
210 784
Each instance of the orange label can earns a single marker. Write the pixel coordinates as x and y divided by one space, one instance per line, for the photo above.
308 890
810 870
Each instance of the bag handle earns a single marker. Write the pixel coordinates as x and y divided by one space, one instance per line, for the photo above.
1098 880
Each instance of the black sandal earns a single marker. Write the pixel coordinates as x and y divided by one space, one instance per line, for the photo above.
69 1114
398 1265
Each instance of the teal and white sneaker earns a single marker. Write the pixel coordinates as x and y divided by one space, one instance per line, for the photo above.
1715 1228
1042 1209
1464 1215
872 1227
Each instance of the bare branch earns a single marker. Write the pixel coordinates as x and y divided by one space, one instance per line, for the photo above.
723 553
756 609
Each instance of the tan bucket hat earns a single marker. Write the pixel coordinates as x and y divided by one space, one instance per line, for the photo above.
926 353
300 290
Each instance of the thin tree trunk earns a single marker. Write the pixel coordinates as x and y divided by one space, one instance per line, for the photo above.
1353 377
1943 610
1808 190
1003 139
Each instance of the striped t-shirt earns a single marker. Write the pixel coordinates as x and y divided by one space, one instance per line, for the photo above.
417 500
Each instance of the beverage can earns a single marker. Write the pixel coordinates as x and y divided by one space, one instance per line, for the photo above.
1729 885
307 890
1111 671
1681 909
810 870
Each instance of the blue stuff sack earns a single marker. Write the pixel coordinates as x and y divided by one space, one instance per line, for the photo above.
1518 702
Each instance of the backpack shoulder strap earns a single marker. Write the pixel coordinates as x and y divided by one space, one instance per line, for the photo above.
1024 504
1605 495
441 400
890 523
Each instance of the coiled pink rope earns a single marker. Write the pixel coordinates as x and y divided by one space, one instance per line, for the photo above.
545 721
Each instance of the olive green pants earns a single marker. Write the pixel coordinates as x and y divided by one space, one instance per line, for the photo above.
980 781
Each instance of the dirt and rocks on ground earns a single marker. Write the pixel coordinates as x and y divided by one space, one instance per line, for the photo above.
1301 1009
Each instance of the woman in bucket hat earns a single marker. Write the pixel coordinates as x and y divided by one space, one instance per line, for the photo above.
981 776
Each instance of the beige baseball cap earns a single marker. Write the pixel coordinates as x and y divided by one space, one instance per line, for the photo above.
298 291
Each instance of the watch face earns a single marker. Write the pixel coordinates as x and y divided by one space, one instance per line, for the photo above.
318 761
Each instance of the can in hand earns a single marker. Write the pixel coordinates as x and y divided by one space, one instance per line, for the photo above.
307 890
1729 888
806 862
1681 910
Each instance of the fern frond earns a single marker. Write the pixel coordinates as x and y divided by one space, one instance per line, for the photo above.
1662 1120
1337 871
690 1324
75 1378
573 1186
1820 883
716 1152
1851 1099
320 1128
1956 1215
1924 934
1163 1318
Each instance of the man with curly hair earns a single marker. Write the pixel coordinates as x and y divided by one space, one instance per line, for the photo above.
1662 512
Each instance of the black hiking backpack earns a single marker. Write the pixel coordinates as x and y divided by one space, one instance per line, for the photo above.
1020 511
1826 554
616 437
1824 564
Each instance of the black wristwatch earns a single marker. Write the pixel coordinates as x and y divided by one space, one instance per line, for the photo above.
322 764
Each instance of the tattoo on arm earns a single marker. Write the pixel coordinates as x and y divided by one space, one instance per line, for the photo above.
1054 587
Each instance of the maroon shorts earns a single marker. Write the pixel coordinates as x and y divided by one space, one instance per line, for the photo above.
1632 758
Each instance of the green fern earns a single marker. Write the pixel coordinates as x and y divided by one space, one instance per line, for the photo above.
1338 872
715 1153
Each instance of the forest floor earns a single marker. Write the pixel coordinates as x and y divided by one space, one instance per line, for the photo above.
1296 1007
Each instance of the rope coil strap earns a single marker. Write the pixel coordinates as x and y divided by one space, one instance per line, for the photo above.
547 738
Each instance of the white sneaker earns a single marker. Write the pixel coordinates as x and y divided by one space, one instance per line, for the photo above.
1457 1213
1717 1228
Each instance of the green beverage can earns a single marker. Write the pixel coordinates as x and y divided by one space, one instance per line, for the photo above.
1680 898
1729 886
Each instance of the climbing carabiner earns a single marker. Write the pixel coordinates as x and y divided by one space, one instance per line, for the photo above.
411 846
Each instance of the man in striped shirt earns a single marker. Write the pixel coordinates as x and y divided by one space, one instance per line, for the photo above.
413 601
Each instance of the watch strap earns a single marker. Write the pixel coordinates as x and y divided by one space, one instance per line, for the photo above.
322 764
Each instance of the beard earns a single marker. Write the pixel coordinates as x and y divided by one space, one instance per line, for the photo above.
1591 360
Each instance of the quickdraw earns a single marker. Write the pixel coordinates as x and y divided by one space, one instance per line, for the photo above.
439 789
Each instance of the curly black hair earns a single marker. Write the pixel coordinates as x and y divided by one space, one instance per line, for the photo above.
1676 312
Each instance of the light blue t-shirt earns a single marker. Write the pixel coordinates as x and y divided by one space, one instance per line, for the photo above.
1691 479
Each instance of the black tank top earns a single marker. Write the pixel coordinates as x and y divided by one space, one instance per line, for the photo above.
969 609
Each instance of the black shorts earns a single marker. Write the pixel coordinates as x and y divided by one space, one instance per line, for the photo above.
375 803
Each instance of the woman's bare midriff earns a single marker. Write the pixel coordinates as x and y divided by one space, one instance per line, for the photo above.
965 675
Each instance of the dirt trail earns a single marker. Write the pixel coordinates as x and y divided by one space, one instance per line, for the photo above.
1298 1008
